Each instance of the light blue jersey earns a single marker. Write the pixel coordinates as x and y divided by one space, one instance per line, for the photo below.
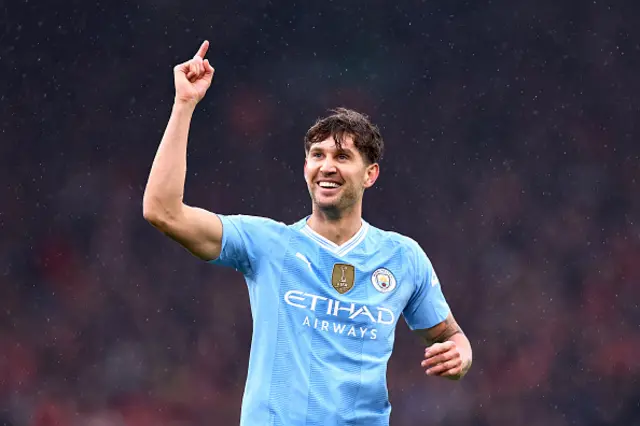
324 318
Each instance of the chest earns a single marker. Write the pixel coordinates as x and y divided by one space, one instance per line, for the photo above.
368 286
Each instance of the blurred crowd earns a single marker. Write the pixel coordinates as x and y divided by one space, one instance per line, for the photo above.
512 158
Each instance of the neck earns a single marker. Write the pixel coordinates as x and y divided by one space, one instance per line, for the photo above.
336 228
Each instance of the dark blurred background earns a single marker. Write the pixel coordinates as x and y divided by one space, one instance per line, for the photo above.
512 158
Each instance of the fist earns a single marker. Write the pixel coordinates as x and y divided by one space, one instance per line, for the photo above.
193 78
443 360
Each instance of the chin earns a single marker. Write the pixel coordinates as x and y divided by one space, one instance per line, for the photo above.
332 204
327 205
335 208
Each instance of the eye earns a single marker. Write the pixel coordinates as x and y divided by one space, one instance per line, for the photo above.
316 154
343 156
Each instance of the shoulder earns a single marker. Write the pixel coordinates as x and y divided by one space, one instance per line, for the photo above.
250 220
407 247
250 223
391 238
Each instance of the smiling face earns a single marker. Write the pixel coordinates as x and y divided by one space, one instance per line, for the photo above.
337 176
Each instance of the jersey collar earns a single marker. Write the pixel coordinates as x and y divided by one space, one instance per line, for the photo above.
341 249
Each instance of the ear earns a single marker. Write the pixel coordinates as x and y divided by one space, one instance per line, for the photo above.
371 175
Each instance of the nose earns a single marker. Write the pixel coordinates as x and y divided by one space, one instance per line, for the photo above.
328 166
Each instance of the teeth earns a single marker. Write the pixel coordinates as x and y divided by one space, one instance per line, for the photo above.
329 184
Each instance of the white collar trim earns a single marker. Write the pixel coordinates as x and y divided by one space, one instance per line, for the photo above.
342 249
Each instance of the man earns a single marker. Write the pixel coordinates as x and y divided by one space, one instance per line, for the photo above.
326 292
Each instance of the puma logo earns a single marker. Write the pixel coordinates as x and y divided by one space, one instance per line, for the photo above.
304 259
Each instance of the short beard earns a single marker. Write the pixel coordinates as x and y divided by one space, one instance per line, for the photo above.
335 211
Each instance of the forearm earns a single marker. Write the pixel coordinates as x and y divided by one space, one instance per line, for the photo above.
165 187
466 354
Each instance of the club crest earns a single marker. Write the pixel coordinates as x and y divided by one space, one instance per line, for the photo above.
383 280
343 277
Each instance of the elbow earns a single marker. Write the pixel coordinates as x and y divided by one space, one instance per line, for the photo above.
150 215
149 212
154 213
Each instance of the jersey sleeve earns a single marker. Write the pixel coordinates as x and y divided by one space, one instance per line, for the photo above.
427 305
246 240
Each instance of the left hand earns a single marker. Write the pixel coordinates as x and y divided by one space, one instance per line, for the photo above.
443 360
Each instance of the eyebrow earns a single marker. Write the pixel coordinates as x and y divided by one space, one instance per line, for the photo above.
341 150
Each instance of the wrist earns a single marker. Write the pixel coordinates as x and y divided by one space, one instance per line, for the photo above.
181 105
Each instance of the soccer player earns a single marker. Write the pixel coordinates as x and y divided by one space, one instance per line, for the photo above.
326 292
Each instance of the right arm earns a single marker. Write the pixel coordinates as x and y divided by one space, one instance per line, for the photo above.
198 230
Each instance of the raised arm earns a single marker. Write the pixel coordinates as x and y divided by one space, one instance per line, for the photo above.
198 230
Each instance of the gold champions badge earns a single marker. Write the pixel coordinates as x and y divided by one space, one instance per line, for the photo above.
343 277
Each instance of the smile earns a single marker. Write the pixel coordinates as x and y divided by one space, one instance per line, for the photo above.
329 185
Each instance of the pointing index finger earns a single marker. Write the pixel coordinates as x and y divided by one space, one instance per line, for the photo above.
203 49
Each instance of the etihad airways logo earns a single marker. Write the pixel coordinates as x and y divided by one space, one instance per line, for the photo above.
334 308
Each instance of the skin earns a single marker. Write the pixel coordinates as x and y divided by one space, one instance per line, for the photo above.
448 353
196 229
336 213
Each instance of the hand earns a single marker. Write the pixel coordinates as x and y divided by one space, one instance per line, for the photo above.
443 360
193 78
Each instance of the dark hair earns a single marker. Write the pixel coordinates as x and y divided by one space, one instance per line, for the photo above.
346 122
